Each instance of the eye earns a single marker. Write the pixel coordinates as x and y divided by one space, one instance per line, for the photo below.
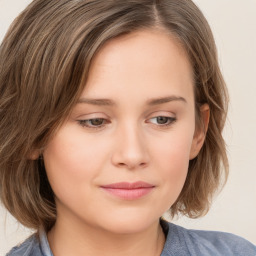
162 120
94 123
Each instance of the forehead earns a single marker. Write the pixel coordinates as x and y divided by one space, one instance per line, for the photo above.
148 59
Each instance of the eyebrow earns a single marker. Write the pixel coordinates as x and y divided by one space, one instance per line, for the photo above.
98 102
163 100
150 102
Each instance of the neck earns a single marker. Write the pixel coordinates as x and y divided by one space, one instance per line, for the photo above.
71 239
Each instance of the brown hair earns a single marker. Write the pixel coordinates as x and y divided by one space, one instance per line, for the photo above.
44 62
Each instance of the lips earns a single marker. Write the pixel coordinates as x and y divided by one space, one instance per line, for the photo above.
128 191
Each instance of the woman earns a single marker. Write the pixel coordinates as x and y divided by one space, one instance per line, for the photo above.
112 113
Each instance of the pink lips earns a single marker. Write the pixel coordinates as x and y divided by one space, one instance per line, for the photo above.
129 191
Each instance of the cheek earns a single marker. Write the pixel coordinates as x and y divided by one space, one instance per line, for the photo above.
173 150
174 163
71 151
171 163
68 163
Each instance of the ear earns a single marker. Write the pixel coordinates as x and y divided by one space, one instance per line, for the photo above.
200 131
34 155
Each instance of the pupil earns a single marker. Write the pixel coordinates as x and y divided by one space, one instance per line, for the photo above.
97 121
162 119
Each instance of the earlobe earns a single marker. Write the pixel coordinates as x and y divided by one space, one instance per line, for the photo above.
34 155
201 130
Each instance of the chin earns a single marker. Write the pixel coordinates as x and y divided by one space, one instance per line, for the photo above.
129 223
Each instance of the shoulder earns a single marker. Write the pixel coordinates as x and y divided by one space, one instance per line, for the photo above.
221 242
29 247
212 243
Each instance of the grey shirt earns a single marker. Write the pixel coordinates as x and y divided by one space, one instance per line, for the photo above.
179 242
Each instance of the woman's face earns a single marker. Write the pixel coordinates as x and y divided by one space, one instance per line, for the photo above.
121 159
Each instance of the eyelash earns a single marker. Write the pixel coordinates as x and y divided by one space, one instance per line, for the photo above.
84 123
171 120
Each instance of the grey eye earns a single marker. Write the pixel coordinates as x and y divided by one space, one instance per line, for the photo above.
162 119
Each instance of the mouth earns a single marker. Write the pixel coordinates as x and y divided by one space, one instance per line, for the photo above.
128 191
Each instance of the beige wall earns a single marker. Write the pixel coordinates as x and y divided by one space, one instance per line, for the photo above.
234 25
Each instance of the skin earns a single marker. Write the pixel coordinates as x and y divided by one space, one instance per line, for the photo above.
127 143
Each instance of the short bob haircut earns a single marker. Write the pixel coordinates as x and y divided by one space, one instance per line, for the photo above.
44 62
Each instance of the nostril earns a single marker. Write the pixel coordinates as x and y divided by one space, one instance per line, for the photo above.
132 166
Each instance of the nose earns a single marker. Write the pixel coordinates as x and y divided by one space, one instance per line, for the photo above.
130 151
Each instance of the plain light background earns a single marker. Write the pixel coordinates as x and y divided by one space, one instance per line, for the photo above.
234 25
